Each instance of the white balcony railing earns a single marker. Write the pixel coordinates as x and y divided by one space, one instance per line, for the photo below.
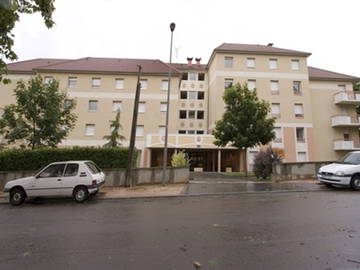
347 97
345 121
345 145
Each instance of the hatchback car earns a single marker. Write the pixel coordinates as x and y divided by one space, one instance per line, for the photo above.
345 172
78 179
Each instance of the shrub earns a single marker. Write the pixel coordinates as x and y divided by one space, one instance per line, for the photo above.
264 160
26 159
179 159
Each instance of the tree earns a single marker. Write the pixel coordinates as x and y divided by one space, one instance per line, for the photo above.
114 138
244 123
10 11
41 116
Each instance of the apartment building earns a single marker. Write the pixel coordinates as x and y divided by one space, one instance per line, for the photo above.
315 108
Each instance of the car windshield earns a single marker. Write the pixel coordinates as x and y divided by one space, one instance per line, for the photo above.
351 158
94 169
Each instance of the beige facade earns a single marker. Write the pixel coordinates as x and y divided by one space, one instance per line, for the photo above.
315 109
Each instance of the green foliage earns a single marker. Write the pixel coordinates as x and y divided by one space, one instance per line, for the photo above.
114 138
245 122
356 86
179 160
40 116
264 160
10 11
20 159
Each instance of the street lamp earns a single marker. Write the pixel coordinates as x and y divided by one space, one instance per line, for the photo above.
172 28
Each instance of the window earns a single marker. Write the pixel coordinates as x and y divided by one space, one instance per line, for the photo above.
346 137
181 131
162 130
191 115
228 83
228 61
143 84
250 62
163 106
251 84
191 132
94 169
183 94
295 64
278 135
301 156
48 79
275 109
201 95
273 63
342 87
164 85
89 129
199 132
72 82
274 86
297 88
119 83
96 82
201 77
193 76
116 107
184 77
300 134
200 114
71 170
93 105
142 107
192 95
299 111
182 114
55 170
139 131
67 104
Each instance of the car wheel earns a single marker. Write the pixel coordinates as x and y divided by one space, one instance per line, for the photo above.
81 194
355 182
17 196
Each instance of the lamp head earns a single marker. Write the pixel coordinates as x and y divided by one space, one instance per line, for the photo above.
172 27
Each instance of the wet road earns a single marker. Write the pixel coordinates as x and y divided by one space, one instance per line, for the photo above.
305 230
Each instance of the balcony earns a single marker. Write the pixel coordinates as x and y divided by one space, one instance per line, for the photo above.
347 97
345 121
342 145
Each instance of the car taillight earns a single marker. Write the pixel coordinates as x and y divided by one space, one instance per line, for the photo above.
94 182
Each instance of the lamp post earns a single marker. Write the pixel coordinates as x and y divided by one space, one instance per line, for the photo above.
172 28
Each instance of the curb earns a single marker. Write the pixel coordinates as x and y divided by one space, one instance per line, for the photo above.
198 195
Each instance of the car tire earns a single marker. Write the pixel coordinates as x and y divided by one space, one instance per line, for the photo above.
81 194
17 196
355 182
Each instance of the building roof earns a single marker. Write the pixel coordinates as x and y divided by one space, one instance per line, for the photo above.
93 65
30 65
258 49
193 66
326 75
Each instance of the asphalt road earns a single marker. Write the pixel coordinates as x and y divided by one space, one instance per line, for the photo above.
304 230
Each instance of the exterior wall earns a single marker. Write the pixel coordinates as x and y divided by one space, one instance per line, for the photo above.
263 75
322 101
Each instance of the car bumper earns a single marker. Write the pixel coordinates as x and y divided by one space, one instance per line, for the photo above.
94 188
336 180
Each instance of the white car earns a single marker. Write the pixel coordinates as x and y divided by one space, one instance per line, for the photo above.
70 178
345 172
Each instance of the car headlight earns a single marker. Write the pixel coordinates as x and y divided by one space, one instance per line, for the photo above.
340 173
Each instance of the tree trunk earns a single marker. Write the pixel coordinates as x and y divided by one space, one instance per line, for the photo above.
245 163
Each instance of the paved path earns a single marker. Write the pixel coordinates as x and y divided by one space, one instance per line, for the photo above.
306 230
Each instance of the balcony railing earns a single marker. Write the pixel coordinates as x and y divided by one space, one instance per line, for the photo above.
347 97
345 121
341 144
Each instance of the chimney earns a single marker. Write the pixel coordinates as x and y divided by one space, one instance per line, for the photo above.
189 59
198 60
270 44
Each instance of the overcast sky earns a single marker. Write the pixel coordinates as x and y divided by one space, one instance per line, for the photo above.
329 29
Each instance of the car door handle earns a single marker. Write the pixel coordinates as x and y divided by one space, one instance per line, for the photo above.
59 179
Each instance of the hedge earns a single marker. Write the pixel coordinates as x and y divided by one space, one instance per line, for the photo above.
25 159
